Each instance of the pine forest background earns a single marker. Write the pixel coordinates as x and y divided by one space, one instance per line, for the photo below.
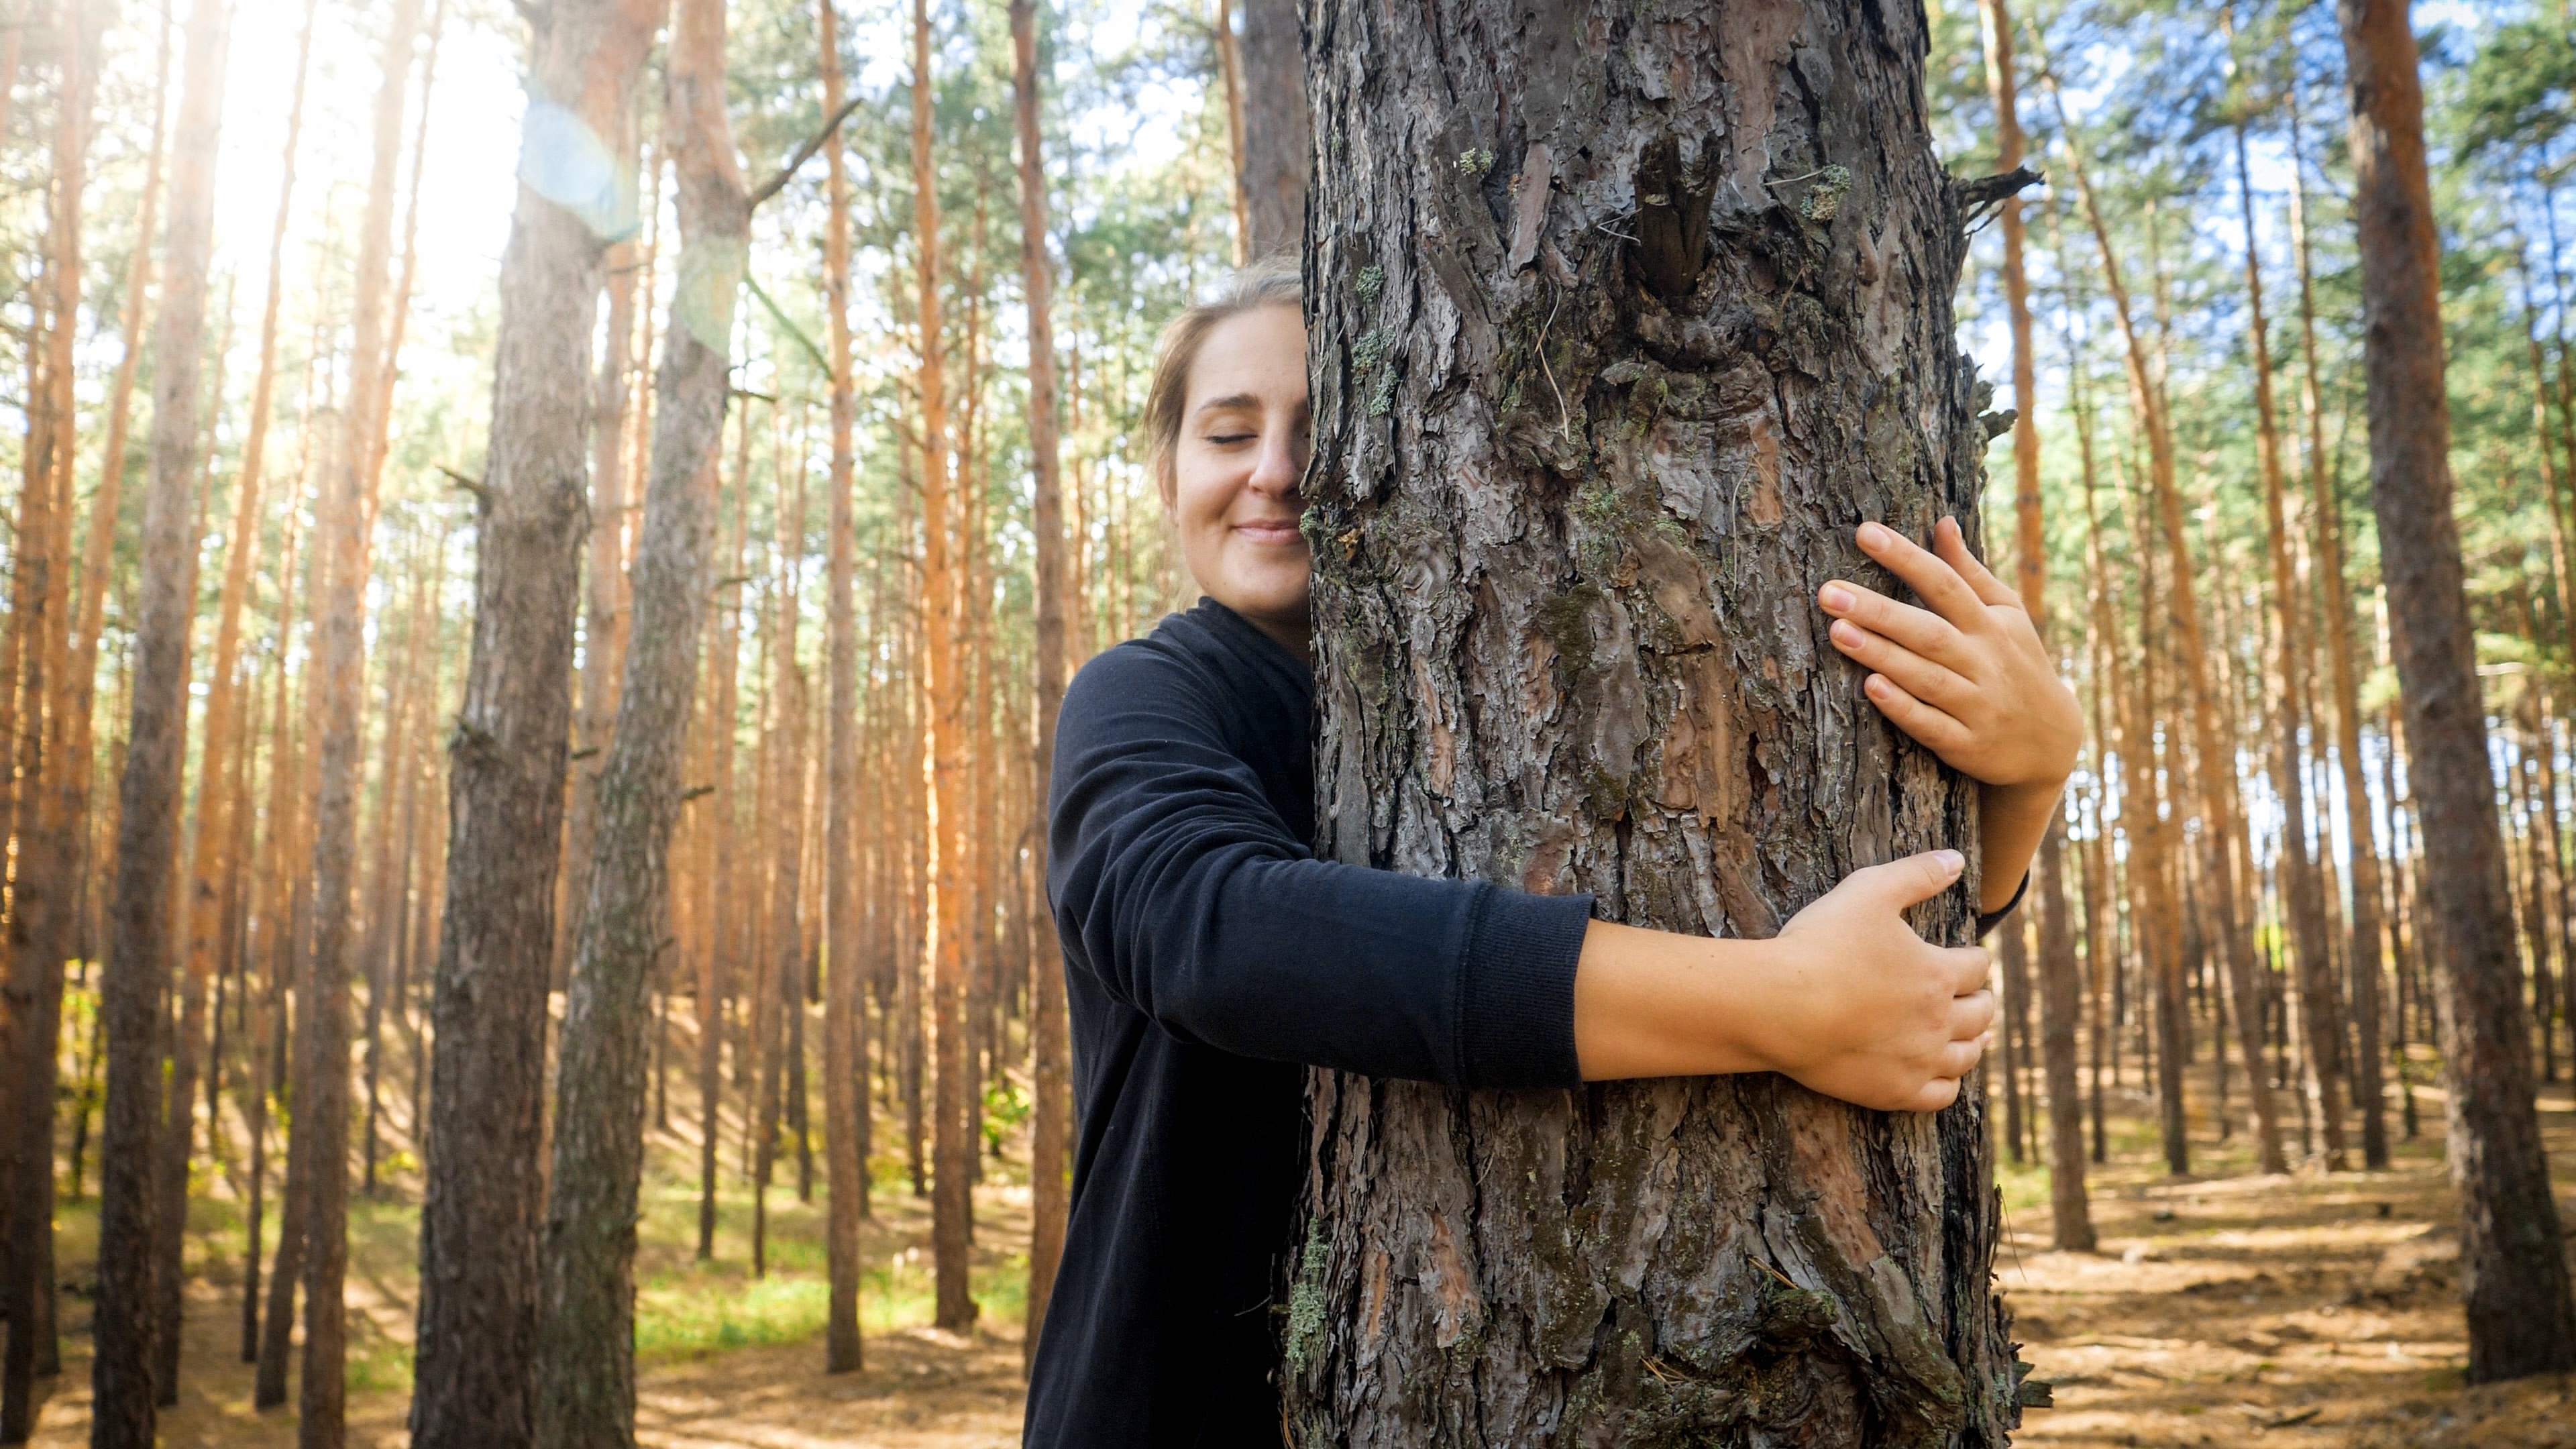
2193 152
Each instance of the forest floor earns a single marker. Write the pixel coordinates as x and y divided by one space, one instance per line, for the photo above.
2223 1308
2229 1307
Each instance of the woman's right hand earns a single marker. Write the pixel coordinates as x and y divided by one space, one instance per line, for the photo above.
1860 1007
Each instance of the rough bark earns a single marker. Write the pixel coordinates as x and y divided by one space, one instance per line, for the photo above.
1277 141
945 753
477 1318
2513 1274
140 948
586 1324
1576 493
1051 1087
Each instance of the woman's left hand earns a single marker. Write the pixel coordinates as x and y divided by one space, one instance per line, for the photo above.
1966 676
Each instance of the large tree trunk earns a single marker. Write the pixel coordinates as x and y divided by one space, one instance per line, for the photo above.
1051 1088
1576 495
473 1383
953 1148
586 1326
2513 1272
139 952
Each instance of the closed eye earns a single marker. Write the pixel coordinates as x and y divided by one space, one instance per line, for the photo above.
1225 440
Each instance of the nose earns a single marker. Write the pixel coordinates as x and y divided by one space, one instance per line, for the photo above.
1281 465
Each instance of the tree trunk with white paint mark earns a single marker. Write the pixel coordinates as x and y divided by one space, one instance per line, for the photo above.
1618 329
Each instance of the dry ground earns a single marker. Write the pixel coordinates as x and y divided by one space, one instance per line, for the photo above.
2301 1310
2222 1309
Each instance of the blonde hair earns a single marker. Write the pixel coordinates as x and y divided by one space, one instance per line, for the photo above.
1273 281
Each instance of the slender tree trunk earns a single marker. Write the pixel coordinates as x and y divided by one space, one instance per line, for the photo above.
1051 1089
2365 951
345 546
603 631
2320 1003
140 948
288 793
2214 768
586 1325
953 1149
474 1373
725 902
844 1037
1276 142
1675 497
2521 1319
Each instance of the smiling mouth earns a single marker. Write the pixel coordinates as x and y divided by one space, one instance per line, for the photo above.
1273 530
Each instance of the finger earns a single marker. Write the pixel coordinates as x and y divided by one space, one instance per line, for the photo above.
1951 542
1937 684
1932 579
1920 630
1937 731
1971 1016
1935 1095
1911 879
1975 966
1961 1057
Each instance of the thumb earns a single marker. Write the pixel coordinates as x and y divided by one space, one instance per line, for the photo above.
1912 879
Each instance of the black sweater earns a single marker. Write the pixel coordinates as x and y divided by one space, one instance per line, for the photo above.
1208 958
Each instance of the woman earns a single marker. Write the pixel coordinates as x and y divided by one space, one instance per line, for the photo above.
1209 957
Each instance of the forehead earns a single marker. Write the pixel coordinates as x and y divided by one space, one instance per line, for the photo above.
1259 354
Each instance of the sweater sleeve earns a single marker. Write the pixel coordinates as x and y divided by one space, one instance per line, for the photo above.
1179 888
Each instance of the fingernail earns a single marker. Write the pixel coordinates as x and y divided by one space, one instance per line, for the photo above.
1872 536
1876 685
1952 861
1846 634
1837 598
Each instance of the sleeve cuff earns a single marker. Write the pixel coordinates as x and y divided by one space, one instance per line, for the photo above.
1988 920
1516 990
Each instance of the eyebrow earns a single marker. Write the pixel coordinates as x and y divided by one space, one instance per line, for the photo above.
1234 400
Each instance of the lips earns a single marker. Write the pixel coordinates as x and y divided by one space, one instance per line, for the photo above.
1269 530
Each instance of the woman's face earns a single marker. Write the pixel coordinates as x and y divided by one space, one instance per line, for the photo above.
1245 435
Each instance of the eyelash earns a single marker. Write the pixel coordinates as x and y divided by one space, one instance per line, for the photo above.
1224 438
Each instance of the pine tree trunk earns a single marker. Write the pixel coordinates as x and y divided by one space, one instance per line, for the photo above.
2221 826
844 1037
288 794
1051 1088
1276 140
140 948
586 1321
953 1150
725 899
1580 493
345 543
476 1336
2513 1272
2365 958
2320 1003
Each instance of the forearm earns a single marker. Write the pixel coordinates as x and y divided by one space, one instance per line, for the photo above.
1656 1004
2011 819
